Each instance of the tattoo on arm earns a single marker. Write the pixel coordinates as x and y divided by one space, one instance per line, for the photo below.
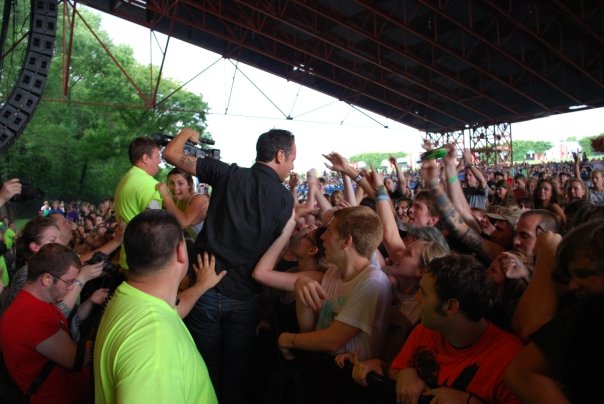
448 212
455 222
472 240
186 161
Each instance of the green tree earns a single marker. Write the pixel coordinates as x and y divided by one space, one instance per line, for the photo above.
374 158
522 148
585 143
77 148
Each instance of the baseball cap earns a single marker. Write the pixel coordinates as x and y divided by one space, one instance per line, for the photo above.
509 215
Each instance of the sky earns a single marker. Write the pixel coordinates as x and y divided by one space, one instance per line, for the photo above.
245 102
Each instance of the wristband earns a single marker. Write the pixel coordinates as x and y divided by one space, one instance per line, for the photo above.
358 178
452 179
380 190
382 198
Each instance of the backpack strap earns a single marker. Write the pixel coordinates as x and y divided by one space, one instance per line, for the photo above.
40 378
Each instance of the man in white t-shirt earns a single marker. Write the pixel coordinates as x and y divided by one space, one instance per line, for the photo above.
353 297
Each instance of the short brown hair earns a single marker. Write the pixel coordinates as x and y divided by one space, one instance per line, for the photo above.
363 225
54 259
426 197
139 147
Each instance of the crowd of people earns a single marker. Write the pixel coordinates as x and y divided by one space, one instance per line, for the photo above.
457 282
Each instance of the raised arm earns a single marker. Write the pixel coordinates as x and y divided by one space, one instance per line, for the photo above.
391 237
400 175
577 165
315 194
294 181
539 302
349 194
341 165
482 182
454 187
264 271
174 151
486 249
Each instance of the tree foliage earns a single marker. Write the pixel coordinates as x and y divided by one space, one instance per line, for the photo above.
585 143
76 147
523 148
374 158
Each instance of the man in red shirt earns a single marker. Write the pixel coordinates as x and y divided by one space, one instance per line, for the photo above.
455 354
33 331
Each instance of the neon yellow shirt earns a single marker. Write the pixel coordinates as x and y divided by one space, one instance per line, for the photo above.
134 194
144 354
9 240
4 269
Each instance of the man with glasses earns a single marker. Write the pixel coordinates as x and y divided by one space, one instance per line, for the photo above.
35 335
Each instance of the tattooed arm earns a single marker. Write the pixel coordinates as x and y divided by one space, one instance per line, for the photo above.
486 249
174 151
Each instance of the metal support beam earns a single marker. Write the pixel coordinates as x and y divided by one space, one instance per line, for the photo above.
492 144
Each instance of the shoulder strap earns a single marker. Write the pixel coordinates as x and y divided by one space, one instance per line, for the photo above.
40 378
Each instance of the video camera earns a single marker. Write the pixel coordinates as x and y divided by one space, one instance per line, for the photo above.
104 258
196 150
28 192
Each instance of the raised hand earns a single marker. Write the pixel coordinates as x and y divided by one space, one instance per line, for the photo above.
338 162
205 272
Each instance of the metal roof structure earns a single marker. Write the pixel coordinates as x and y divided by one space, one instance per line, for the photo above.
438 66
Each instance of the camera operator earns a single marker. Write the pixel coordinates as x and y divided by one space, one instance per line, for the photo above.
136 190
248 210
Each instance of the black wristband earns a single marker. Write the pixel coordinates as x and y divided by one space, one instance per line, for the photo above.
358 178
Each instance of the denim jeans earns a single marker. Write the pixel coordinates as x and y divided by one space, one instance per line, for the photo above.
223 329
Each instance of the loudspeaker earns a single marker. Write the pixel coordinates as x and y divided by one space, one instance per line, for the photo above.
29 86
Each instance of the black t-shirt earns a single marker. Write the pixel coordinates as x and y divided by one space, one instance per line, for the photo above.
573 344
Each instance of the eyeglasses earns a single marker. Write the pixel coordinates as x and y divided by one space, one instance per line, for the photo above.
67 283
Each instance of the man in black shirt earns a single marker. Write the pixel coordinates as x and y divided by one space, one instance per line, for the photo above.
248 209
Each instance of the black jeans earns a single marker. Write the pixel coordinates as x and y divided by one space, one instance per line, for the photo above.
223 329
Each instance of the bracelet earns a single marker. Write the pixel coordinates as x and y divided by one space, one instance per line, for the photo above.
470 395
452 179
294 341
358 178
381 191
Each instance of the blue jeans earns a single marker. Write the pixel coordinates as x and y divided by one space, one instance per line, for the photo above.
223 329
